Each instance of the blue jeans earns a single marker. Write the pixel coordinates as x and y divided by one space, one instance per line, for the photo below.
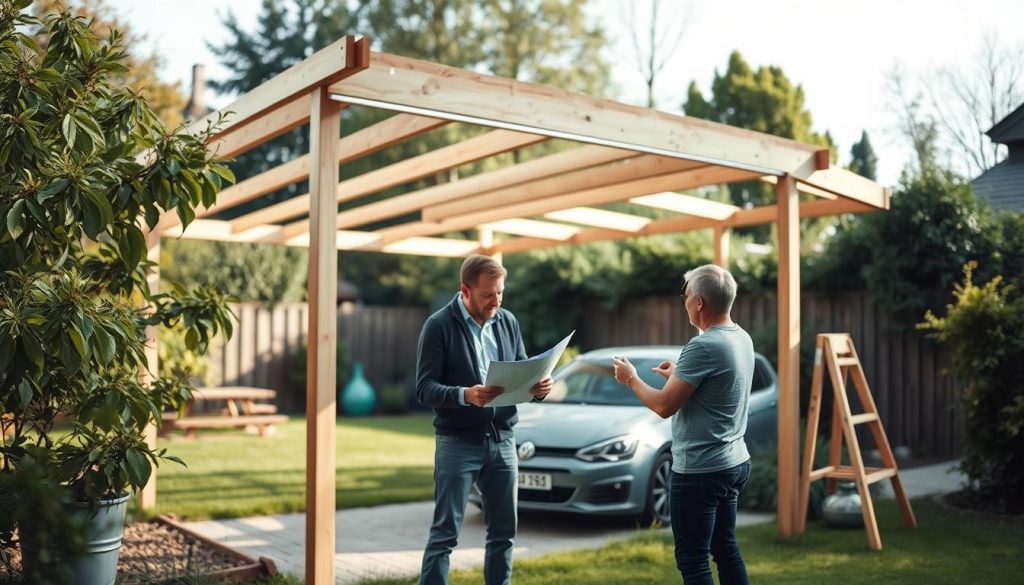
704 520
457 464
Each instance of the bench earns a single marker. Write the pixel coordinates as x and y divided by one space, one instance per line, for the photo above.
264 423
241 410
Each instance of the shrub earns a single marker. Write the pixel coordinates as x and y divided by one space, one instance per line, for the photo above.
393 399
85 168
982 331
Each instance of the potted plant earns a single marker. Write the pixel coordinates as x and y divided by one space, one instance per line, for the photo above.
86 168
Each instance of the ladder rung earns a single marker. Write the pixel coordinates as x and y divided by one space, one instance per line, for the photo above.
820 473
871 474
847 361
862 418
878 474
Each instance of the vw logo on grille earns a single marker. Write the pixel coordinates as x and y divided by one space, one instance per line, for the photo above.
526 450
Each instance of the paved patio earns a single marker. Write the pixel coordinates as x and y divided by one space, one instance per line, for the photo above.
388 540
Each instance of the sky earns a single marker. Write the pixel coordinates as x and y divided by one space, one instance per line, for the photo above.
839 52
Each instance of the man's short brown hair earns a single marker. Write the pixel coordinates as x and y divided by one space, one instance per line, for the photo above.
478 264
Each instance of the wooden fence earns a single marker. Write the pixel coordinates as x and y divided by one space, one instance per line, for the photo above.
904 370
915 399
262 351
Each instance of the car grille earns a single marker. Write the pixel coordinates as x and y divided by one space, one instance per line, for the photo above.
555 452
557 495
610 493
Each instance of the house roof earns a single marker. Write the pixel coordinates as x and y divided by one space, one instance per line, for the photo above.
1009 129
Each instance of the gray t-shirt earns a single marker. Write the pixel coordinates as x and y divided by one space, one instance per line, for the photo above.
707 432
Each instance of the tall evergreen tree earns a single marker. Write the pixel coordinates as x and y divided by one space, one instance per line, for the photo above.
863 160
764 100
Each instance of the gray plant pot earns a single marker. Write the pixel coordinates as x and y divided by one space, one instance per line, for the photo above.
98 565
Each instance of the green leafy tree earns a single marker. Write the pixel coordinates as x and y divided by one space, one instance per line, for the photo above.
165 99
907 255
518 45
764 100
251 272
863 160
85 167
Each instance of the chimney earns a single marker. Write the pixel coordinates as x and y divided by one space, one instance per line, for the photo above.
196 107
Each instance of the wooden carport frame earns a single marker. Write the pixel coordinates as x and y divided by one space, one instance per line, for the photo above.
626 153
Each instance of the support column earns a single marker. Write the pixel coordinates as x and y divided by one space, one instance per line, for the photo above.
721 245
787 205
321 407
486 238
147 496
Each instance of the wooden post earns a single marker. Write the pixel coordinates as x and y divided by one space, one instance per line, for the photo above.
486 239
321 407
721 245
147 496
787 203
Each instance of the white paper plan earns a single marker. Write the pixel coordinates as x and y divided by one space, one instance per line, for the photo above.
518 377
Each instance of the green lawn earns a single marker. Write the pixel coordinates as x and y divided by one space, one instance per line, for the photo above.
946 548
380 460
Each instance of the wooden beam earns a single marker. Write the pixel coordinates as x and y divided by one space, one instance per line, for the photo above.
321 407
539 168
404 84
688 204
720 241
400 173
437 247
334 62
485 237
743 217
850 185
687 179
788 299
617 172
147 495
602 218
381 135
532 228
262 128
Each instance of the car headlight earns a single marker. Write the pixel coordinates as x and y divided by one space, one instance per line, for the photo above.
614 449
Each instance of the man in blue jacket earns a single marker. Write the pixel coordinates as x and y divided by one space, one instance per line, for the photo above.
474 441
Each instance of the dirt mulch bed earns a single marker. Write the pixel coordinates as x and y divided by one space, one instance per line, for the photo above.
159 549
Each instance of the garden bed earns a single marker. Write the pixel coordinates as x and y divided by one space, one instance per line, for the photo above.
163 549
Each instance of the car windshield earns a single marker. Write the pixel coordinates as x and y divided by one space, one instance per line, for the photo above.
592 382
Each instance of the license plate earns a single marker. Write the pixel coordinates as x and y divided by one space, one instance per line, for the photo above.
535 481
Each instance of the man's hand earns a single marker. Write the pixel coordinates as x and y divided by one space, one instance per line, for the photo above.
664 369
480 395
541 389
624 370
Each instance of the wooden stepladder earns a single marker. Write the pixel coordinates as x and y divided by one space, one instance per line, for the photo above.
835 352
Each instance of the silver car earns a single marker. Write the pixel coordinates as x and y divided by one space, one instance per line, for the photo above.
591 447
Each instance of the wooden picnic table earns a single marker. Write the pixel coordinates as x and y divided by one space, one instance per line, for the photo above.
241 410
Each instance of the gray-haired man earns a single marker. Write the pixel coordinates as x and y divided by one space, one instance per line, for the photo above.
706 394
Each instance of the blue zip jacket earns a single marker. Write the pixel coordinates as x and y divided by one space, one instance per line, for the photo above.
446 362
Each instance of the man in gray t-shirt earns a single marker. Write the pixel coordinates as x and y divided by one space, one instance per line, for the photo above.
707 395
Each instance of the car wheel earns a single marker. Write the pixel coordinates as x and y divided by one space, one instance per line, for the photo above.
658 500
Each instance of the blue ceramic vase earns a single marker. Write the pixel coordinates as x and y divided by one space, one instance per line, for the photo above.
358 396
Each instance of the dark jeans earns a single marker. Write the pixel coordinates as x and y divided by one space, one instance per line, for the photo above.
704 520
494 467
